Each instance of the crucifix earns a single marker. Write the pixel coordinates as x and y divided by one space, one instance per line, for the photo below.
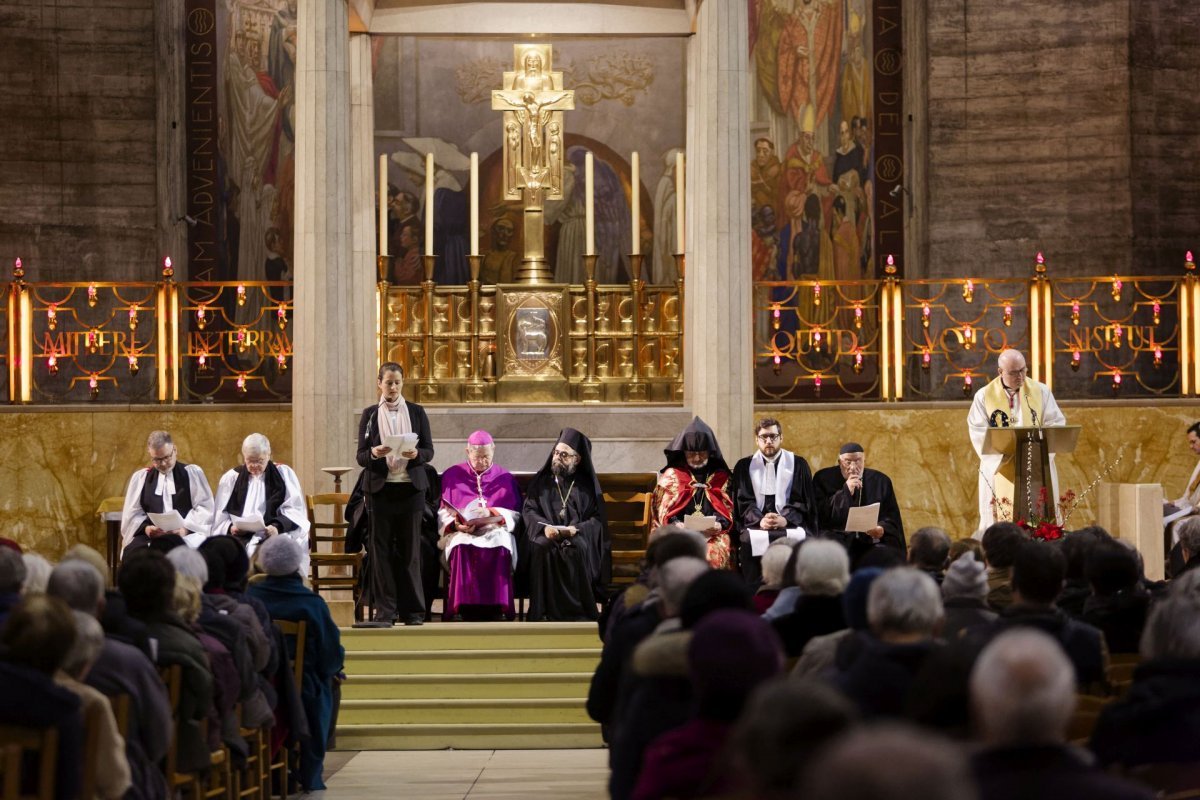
533 101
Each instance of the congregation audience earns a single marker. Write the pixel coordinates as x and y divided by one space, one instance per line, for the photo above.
822 572
1117 605
964 597
1000 543
927 551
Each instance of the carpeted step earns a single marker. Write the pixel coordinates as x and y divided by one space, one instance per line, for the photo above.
510 736
445 711
474 636
467 685
425 662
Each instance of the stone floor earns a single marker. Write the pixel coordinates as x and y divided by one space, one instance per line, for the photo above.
463 774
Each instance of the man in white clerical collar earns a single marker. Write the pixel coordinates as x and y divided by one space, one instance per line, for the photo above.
774 495
1011 399
1186 505
177 491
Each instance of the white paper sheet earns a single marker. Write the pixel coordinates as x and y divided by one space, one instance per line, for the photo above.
401 442
694 522
1172 512
799 534
251 524
170 521
863 518
759 541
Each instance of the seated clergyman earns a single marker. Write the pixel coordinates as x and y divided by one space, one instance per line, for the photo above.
570 558
695 483
261 499
166 485
848 485
479 515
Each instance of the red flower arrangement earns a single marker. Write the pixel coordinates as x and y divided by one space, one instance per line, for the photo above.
1043 526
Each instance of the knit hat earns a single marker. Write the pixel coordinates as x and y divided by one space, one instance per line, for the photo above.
854 599
730 653
965 578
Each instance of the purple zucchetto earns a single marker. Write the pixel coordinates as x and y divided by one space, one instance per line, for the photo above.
480 439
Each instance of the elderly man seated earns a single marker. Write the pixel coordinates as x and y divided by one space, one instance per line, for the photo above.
261 499
286 597
1023 696
849 485
479 514
570 557
167 485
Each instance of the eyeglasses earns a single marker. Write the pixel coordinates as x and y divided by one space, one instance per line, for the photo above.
1016 372
770 437
161 459
563 455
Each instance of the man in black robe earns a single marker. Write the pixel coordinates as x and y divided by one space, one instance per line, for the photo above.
773 492
851 484
570 558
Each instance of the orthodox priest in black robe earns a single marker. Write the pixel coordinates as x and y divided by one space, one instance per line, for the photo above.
773 492
570 558
851 484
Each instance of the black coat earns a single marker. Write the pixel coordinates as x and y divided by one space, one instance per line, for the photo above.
376 469
834 503
814 615
1120 617
799 508
1047 772
1158 720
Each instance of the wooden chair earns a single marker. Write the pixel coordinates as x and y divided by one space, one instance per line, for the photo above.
627 498
91 752
336 570
299 630
172 678
1083 721
43 743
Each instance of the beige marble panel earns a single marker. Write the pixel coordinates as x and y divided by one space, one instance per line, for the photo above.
926 452
56 466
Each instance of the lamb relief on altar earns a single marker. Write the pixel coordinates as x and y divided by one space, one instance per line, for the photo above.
443 96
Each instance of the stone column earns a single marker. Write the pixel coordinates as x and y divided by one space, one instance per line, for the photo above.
362 344
330 301
718 326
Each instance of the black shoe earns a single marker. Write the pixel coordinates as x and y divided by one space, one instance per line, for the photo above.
414 619
372 623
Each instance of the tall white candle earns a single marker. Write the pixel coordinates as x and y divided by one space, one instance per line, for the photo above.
589 206
383 205
474 204
429 204
680 241
635 191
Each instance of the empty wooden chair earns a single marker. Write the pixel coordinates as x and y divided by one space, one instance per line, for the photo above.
42 743
334 569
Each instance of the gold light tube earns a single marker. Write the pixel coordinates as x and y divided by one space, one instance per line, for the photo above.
173 321
160 313
1185 350
1195 354
1048 333
12 344
1035 337
26 346
898 340
885 351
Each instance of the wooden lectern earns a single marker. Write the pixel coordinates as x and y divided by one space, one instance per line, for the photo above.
1026 452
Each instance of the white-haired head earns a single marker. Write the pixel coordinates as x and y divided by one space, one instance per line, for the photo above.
904 603
256 445
89 640
280 555
1023 689
822 568
189 562
37 574
674 578
774 561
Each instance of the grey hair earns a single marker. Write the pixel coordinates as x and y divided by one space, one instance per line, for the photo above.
1173 629
256 445
280 555
822 568
89 640
37 573
189 562
1023 689
158 439
774 561
904 600
674 578
1189 535
1185 584
79 584
12 570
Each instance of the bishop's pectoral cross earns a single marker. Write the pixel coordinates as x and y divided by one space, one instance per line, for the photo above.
533 101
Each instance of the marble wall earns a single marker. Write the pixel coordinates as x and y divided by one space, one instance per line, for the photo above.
926 452
56 466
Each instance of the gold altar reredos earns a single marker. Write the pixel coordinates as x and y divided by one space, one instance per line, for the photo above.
535 341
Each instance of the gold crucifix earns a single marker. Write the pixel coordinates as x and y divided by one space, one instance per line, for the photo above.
533 100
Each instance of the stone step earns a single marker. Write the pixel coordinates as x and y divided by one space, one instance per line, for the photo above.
467 685
425 662
474 636
506 736
443 711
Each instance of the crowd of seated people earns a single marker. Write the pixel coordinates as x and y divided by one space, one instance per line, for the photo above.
958 671
77 653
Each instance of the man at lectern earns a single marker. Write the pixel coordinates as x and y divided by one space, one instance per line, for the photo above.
1011 399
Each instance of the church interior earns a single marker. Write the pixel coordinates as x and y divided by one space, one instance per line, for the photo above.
219 217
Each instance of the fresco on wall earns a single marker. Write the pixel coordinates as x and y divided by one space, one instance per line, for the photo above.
434 95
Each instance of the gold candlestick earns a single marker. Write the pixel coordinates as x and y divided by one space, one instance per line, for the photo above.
383 265
680 267
428 389
635 389
474 389
590 390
